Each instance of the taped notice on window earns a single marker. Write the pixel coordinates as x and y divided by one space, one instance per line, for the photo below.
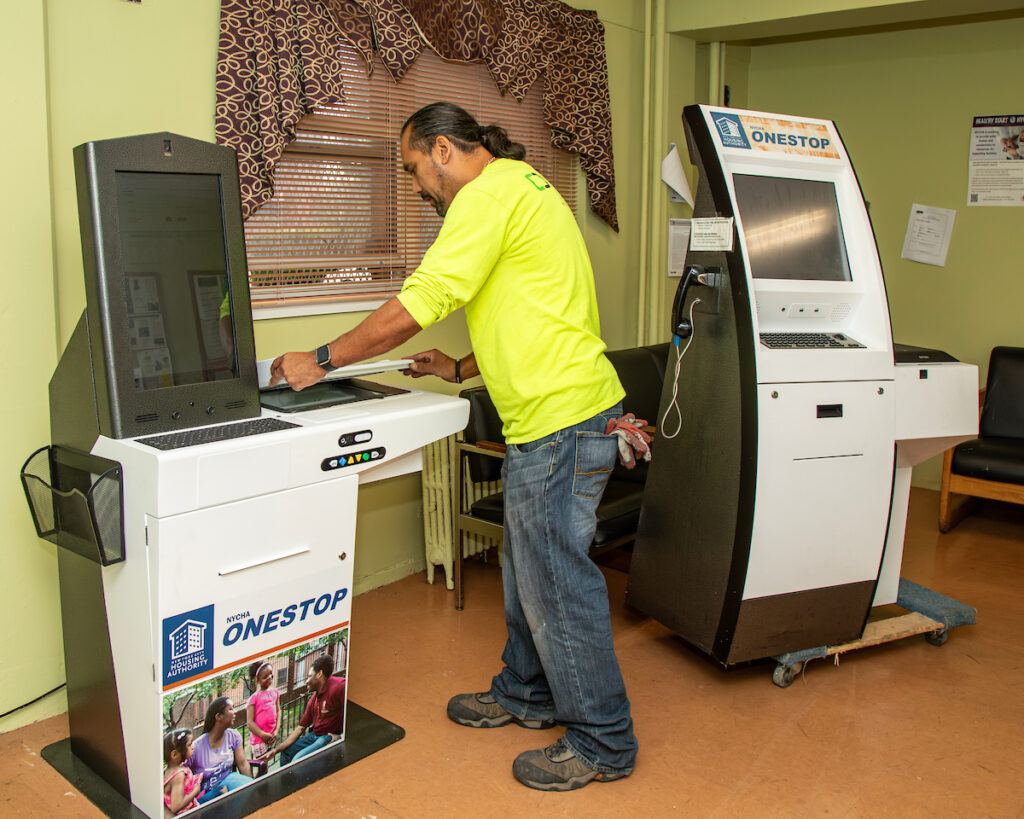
713 233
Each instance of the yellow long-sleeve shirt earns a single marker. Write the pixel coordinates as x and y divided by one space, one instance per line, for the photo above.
511 253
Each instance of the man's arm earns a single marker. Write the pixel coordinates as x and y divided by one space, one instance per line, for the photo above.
434 362
384 329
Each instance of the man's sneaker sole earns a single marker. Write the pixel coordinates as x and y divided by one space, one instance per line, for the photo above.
557 768
570 784
469 710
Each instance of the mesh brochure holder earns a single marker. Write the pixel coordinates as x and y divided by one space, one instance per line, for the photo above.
77 502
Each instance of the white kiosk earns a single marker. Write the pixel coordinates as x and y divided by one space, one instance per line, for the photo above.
198 532
765 519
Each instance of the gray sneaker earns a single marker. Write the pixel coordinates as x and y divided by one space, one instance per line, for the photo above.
557 768
482 711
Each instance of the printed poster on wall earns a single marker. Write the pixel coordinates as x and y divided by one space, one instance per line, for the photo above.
995 175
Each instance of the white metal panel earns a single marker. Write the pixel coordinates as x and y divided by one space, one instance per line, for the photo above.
259 556
936 411
199 476
823 487
933 413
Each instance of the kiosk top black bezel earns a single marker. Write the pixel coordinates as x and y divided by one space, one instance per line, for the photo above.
125 411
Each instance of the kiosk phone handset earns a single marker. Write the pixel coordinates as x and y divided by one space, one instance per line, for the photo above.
682 328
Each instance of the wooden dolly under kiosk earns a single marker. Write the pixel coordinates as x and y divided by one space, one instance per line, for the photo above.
928 613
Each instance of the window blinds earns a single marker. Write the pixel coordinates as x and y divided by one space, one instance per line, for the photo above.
343 223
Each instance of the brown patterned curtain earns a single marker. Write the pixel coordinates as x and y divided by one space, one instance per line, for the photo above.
278 61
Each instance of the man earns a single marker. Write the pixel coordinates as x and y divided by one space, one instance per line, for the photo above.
321 722
510 251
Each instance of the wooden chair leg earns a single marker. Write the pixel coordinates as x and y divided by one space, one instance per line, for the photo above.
458 571
953 507
965 507
944 512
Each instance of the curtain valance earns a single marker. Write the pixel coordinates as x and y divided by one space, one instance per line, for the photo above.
278 61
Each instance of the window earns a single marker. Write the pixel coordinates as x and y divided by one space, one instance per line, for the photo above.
344 227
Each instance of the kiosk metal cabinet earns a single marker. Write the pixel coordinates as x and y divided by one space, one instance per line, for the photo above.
765 515
197 531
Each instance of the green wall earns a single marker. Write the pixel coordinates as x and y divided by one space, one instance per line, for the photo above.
82 70
904 103
30 646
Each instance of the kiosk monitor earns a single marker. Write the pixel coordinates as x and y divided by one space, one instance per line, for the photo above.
792 227
167 329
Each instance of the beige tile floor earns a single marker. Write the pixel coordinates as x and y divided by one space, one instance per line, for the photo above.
901 730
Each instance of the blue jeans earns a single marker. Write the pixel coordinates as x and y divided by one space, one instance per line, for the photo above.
559 658
312 747
306 744
231 781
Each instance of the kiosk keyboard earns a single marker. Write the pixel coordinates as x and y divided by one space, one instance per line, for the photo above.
224 432
808 341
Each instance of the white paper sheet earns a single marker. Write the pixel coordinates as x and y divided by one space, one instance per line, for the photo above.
351 371
673 175
928 233
713 233
678 240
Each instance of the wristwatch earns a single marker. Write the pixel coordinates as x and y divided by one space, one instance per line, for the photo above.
323 357
458 370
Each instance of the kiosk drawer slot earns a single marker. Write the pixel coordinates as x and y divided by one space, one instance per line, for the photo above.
252 564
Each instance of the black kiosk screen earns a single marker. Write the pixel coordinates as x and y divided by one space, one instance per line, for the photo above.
179 322
792 228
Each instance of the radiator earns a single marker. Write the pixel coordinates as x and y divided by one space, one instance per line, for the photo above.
439 460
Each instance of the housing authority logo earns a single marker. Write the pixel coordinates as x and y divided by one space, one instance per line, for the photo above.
730 131
187 648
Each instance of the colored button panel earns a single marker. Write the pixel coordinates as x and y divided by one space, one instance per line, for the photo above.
353 459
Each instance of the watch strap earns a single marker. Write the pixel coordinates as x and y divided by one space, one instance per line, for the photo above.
323 357
458 370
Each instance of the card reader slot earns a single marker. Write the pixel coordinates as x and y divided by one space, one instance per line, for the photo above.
830 410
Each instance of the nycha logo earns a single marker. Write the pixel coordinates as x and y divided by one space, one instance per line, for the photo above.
244 625
187 644
730 130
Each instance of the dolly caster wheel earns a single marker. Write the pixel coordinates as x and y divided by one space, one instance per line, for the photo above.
783 675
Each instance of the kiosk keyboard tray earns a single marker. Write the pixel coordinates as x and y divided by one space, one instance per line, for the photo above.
808 341
224 432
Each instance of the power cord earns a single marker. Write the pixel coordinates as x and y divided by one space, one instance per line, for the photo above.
31 702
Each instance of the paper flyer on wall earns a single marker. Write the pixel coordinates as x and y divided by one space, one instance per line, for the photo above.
928 233
678 241
995 175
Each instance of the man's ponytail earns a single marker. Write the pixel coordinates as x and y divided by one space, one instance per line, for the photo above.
446 119
497 142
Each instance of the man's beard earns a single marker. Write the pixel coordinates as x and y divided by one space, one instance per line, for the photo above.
435 204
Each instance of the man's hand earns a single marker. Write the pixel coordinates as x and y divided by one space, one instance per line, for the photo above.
300 370
432 362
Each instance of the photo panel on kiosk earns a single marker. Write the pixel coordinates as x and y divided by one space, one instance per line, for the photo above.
269 691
